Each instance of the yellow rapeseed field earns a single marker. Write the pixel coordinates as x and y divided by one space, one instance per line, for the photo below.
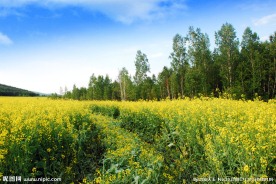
45 138
206 138
178 141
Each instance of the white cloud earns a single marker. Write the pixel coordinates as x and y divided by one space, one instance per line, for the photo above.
266 20
5 40
4 12
125 11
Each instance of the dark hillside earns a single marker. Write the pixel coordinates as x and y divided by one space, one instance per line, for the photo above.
13 91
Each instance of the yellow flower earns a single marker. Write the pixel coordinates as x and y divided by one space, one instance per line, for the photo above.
263 162
33 169
98 180
246 168
49 150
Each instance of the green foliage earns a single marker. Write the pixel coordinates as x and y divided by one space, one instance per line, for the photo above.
249 70
133 121
111 111
179 61
228 53
165 81
141 67
54 96
126 85
174 147
146 124
200 74
128 159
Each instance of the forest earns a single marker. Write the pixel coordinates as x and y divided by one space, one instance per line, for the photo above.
13 91
243 69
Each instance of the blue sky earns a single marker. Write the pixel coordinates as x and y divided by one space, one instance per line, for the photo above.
52 43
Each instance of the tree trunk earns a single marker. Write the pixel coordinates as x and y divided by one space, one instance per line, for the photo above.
182 85
124 88
168 88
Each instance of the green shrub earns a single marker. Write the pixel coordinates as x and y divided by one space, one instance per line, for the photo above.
146 124
111 111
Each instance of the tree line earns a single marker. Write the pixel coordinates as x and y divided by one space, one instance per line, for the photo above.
13 91
243 69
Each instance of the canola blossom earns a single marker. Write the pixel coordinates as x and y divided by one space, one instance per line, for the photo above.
45 138
204 138
141 142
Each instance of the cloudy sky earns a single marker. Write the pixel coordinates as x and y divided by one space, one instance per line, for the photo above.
52 43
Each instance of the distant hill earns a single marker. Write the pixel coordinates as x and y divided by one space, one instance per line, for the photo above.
13 91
